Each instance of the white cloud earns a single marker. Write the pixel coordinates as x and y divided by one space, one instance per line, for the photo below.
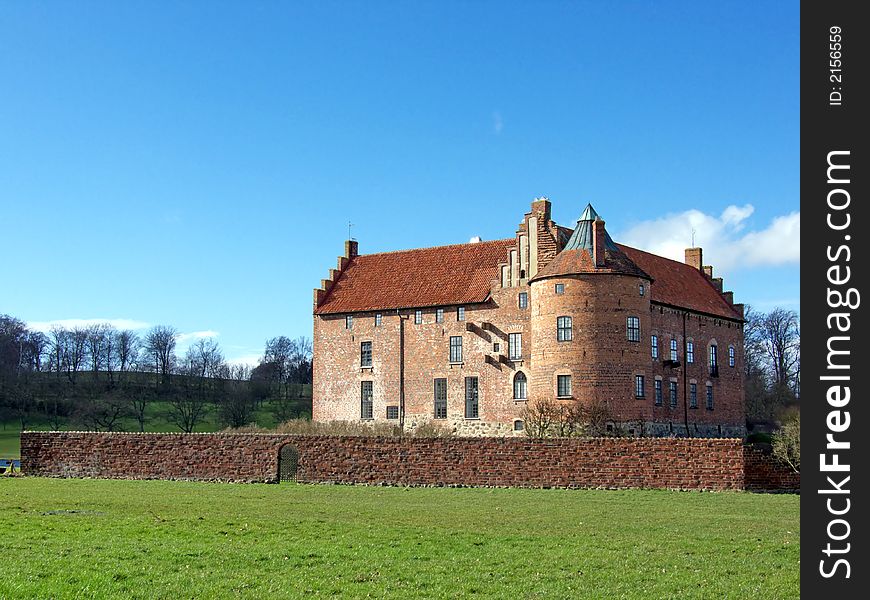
726 245
251 360
183 338
497 122
45 326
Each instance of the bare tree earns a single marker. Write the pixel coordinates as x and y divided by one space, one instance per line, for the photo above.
781 342
187 402
76 351
160 346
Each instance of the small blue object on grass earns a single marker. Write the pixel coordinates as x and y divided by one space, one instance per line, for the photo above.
8 465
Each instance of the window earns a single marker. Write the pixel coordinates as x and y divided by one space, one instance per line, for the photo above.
564 329
471 399
633 329
674 350
658 392
518 425
654 344
523 300
731 356
693 395
439 315
690 352
456 349
392 412
672 393
418 317
496 347
440 398
563 386
378 320
709 396
639 386
515 346
520 386
714 360
560 288
366 397
641 289
365 354
348 322
460 313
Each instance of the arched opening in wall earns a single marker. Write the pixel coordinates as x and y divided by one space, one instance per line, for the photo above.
520 386
288 463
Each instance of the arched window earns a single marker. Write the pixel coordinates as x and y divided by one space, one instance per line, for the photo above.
520 386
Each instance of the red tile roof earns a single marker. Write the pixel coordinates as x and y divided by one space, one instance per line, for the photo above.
574 262
679 284
444 275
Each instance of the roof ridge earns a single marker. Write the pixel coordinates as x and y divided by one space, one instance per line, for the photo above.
409 250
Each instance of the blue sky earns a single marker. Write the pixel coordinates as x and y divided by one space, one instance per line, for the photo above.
196 163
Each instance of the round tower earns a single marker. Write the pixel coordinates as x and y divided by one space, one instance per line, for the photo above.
590 323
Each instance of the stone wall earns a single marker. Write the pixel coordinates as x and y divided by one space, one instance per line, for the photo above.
700 464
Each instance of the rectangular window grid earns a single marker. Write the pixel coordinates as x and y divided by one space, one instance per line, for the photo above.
515 346
693 395
392 412
563 386
633 329
348 322
560 288
674 350
460 313
690 352
418 317
455 349
731 356
658 385
672 389
366 400
378 319
365 354
709 397
654 345
523 300
564 329
639 386
471 398
440 398
439 315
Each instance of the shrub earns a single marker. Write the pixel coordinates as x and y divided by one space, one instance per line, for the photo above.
787 443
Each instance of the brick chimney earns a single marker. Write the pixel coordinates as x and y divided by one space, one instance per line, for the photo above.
598 237
708 271
351 248
694 258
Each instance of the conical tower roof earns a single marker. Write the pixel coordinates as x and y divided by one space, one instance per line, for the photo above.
577 255
582 237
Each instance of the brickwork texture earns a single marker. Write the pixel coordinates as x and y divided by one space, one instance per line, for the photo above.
697 464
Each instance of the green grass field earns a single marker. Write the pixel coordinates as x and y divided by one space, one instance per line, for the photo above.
159 539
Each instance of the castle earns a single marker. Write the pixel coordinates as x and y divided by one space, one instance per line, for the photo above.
468 335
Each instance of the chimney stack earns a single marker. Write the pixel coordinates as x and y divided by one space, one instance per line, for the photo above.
598 237
351 248
708 271
694 258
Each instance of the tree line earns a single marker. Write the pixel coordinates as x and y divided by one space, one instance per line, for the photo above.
97 375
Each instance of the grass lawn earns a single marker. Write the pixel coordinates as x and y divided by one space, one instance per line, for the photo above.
161 539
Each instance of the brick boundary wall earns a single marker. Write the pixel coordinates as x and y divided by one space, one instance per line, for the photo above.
764 472
668 463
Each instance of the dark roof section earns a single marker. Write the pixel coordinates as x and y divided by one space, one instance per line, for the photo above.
581 238
439 276
681 285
